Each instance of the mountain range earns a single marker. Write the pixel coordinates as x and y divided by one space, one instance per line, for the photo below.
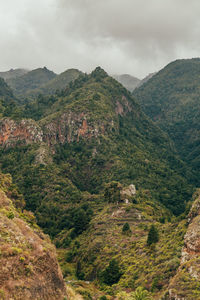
87 157
26 83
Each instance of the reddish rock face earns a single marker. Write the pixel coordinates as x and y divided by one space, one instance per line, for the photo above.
28 265
65 128
69 127
24 131
192 238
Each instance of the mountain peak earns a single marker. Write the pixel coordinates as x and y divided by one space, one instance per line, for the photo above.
99 72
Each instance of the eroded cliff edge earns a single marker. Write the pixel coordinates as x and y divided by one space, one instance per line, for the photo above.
28 265
186 284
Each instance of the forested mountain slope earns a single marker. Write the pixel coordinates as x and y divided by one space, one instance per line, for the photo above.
8 103
32 80
58 83
171 98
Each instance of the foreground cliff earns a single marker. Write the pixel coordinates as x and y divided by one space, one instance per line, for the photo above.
28 265
186 284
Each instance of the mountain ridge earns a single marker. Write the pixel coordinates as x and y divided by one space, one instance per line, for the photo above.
170 99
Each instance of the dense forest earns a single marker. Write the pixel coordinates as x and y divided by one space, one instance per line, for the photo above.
171 100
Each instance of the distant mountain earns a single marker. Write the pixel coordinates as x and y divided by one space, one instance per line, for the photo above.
57 83
145 79
13 73
32 80
171 99
128 81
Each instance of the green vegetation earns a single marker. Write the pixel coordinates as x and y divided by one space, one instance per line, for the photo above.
171 99
124 147
140 294
32 80
58 83
126 228
96 141
8 105
103 298
112 273
141 265
112 192
153 236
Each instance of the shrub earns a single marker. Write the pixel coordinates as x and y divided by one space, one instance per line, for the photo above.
10 215
112 273
112 192
140 294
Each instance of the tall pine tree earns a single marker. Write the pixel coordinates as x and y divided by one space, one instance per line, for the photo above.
153 236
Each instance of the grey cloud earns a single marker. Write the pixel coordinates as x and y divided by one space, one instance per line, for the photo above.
133 36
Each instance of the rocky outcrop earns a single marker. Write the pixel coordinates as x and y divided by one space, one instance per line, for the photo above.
66 127
28 265
122 107
185 285
70 127
24 131
127 193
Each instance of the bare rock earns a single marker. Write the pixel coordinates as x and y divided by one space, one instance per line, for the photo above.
129 191
28 265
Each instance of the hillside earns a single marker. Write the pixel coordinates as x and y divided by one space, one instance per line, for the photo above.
145 79
32 80
8 103
150 267
91 134
28 265
128 81
13 73
171 100
167 269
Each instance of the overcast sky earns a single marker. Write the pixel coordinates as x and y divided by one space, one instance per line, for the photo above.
122 36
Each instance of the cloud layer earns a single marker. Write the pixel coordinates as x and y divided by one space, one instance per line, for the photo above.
123 36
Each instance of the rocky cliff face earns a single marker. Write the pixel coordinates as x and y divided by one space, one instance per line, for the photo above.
28 265
68 128
24 131
186 284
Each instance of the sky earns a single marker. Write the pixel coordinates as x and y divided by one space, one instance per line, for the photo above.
122 36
